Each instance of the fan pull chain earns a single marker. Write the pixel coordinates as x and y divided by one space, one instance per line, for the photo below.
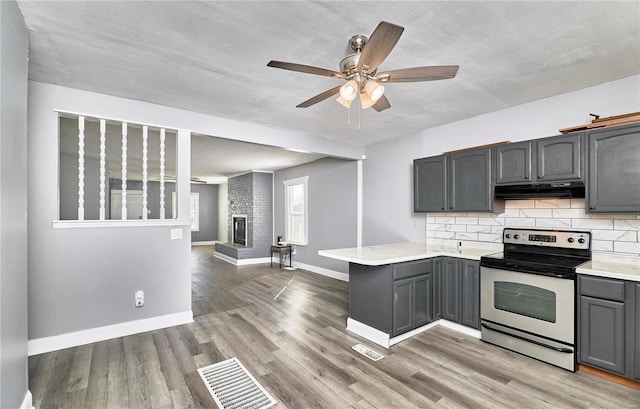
349 116
359 118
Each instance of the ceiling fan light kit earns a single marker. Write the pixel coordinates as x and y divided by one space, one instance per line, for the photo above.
360 68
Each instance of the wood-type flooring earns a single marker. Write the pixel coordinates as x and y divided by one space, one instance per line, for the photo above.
297 347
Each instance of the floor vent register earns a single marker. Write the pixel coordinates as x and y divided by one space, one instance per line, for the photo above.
233 387
368 352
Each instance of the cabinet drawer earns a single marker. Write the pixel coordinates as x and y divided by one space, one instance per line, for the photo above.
411 269
599 287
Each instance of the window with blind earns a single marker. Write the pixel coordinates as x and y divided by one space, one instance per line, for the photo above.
296 215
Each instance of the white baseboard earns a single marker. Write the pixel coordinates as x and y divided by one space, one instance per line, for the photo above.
27 402
203 243
411 333
73 339
323 271
460 328
374 335
384 340
242 262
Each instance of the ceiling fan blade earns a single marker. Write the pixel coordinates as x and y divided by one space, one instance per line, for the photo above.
320 97
379 45
381 104
416 74
308 69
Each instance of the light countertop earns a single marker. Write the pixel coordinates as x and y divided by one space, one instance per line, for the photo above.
620 267
400 252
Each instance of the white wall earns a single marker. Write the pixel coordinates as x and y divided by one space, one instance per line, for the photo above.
13 208
388 167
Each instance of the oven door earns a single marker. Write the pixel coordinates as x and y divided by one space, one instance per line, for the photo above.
537 304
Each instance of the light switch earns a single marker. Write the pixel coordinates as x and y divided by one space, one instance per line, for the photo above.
176 234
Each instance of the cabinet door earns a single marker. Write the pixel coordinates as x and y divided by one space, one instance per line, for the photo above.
437 288
450 282
429 184
403 305
470 187
513 162
614 170
636 343
470 293
422 300
559 158
602 334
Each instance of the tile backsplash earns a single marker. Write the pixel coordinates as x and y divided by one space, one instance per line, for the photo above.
610 233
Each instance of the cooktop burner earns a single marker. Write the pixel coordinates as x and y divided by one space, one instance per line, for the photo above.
547 252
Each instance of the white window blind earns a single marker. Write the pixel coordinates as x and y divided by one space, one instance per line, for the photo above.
296 220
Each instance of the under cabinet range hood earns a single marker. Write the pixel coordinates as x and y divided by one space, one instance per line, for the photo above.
550 190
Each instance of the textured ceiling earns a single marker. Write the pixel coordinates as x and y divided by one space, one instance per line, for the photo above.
211 57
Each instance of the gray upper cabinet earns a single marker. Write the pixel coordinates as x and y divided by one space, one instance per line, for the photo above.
430 184
469 177
614 170
513 162
559 158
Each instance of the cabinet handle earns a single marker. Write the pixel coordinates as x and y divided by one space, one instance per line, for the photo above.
592 208
539 177
395 298
526 178
442 208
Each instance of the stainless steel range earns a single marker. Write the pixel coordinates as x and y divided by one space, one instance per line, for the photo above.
527 301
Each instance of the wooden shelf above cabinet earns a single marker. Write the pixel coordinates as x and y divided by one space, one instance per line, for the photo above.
633 117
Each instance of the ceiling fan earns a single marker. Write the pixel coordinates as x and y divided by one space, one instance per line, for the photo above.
359 70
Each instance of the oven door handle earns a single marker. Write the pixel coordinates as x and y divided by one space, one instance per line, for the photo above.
557 349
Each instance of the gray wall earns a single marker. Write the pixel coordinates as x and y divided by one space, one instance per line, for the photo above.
208 212
85 278
13 206
332 207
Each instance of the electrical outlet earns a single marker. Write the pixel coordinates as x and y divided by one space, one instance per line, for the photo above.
176 234
139 298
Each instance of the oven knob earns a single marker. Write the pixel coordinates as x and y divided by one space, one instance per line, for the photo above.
570 239
508 236
516 236
581 240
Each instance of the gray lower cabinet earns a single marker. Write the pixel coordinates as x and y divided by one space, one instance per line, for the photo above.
470 293
614 170
450 290
460 291
397 298
636 322
437 288
609 325
412 303
602 334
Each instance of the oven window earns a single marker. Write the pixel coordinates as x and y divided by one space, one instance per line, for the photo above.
523 299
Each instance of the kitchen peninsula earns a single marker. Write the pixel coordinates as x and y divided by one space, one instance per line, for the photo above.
398 290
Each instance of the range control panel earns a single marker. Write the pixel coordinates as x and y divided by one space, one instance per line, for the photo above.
548 238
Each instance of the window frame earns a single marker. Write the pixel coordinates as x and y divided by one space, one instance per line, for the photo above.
304 181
